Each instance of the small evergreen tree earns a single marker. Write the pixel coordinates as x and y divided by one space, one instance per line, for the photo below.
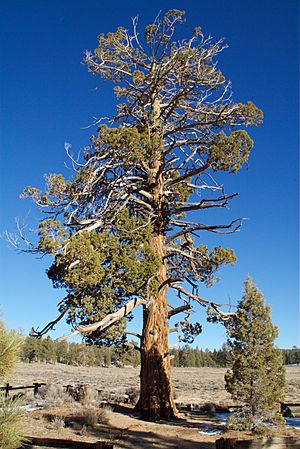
62 352
10 414
107 357
48 350
29 351
257 376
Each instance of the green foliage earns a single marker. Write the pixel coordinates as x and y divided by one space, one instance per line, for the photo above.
257 376
51 236
11 421
10 344
11 417
128 144
206 265
183 191
156 32
110 269
57 190
229 153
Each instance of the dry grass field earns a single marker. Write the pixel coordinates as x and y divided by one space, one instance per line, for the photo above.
89 423
191 385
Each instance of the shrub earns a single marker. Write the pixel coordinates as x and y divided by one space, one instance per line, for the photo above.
58 422
11 416
10 345
104 414
209 408
91 416
55 394
85 394
11 420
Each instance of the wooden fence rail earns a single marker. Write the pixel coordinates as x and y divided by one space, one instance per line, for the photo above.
66 444
264 443
7 388
288 409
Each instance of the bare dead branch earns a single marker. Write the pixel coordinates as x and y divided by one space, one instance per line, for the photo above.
179 310
204 204
106 321
38 334
235 225
224 316
135 334
189 174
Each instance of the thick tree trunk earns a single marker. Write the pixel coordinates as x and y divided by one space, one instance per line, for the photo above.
156 395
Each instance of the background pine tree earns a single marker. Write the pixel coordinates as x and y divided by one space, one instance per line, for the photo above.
257 376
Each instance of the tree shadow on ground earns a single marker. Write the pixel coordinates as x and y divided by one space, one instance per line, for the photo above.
127 431
190 420
124 409
145 439
145 435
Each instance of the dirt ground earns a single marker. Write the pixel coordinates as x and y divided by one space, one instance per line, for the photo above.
192 385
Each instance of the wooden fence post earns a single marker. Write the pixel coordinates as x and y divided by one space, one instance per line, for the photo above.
36 388
226 443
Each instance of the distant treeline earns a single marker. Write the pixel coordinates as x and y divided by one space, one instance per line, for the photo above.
291 356
48 350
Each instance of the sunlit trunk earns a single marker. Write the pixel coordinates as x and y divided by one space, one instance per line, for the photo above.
156 394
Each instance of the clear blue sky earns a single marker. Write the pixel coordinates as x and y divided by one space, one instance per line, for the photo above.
47 97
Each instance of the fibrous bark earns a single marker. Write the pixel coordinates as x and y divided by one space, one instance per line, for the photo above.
156 396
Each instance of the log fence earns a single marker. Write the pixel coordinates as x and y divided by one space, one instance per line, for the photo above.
65 444
288 409
264 443
291 410
35 386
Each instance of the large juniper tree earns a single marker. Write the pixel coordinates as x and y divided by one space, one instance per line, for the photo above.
119 229
257 376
